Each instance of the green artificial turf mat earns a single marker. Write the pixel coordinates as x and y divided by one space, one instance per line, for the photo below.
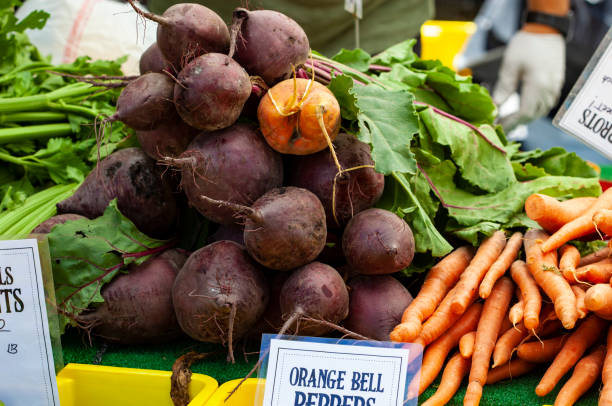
518 392
606 173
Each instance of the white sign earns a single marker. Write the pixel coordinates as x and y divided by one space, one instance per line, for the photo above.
27 374
587 113
355 7
302 373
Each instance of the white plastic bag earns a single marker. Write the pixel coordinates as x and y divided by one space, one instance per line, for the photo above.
101 29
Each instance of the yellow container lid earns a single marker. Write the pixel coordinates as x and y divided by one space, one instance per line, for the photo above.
443 40
95 385
244 396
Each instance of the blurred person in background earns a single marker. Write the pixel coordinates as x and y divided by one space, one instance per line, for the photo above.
328 26
535 60
100 29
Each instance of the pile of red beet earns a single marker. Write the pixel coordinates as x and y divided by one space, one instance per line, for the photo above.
297 246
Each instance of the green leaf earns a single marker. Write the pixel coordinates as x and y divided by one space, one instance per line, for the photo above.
402 75
341 87
527 171
474 234
388 127
400 197
480 163
521 220
86 254
35 20
355 58
468 209
401 53
556 161
588 247
15 193
468 100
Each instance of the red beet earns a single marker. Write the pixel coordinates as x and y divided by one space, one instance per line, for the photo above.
187 30
377 241
152 60
317 291
219 294
136 182
285 228
167 139
268 43
377 303
137 306
355 190
272 319
211 92
234 164
146 102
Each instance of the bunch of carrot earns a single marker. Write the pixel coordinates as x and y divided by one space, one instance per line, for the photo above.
519 334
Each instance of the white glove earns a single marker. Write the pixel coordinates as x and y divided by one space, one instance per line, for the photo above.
538 61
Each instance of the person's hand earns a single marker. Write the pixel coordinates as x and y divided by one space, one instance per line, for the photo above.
538 62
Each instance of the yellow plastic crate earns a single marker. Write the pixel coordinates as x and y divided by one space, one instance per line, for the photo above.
244 396
443 40
95 385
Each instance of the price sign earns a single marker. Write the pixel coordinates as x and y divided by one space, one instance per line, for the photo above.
587 111
27 372
332 372
354 7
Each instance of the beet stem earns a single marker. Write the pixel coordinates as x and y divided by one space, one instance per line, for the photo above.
339 174
230 334
238 208
153 17
380 68
465 123
295 316
238 17
92 77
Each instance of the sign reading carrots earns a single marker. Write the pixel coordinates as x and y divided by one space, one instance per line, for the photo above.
27 375
587 112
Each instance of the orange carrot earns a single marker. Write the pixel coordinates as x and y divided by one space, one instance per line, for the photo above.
439 321
570 258
603 220
580 226
495 308
501 265
585 374
598 299
597 256
587 333
605 396
507 343
580 305
436 353
515 315
547 276
487 253
541 351
511 369
466 344
456 368
440 279
552 214
504 326
598 272
532 300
